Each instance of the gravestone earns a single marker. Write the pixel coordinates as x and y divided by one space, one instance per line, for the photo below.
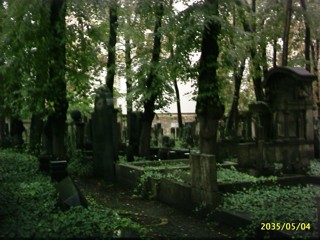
102 135
16 130
289 95
134 131
283 122
204 186
77 120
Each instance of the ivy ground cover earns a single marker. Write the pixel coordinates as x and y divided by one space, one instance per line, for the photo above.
29 209
279 206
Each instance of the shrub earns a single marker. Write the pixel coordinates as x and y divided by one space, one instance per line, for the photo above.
28 207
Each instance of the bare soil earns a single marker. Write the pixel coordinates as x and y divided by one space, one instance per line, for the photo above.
161 220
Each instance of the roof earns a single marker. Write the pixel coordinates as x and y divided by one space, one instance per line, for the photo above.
297 73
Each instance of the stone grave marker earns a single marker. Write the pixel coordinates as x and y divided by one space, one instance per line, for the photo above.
102 133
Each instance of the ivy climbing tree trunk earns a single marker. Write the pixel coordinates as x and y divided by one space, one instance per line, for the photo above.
111 64
57 80
209 107
37 106
149 104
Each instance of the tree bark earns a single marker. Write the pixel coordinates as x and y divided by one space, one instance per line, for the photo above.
149 105
274 58
286 33
307 39
176 89
111 64
128 61
57 77
209 107
233 117
251 28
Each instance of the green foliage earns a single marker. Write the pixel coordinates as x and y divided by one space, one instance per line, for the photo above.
147 189
275 203
314 168
80 167
29 207
77 163
232 175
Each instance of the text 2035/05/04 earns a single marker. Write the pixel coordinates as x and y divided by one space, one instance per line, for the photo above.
277 226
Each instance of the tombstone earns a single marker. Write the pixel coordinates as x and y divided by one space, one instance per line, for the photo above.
69 194
188 134
16 130
283 123
77 119
289 95
134 131
204 186
103 135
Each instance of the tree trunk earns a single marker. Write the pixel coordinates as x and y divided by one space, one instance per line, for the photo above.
251 28
176 89
2 130
233 117
128 61
209 107
57 78
149 105
274 60
307 39
286 32
111 64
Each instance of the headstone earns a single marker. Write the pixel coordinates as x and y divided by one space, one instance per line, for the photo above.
204 187
103 135
77 119
289 96
58 170
134 131
69 194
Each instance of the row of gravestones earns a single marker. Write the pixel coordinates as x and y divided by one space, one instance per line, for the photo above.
99 137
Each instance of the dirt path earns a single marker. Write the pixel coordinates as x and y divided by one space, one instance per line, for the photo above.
161 220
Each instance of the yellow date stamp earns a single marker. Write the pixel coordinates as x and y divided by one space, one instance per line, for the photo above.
277 226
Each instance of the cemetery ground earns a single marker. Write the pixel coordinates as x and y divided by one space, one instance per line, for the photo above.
161 220
29 200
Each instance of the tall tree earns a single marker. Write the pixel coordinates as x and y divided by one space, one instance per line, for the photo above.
286 32
307 40
111 64
209 107
57 50
151 83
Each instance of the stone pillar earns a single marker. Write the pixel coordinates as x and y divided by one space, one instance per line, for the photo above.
102 133
204 187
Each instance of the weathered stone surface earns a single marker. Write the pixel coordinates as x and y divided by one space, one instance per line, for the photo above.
283 123
204 187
